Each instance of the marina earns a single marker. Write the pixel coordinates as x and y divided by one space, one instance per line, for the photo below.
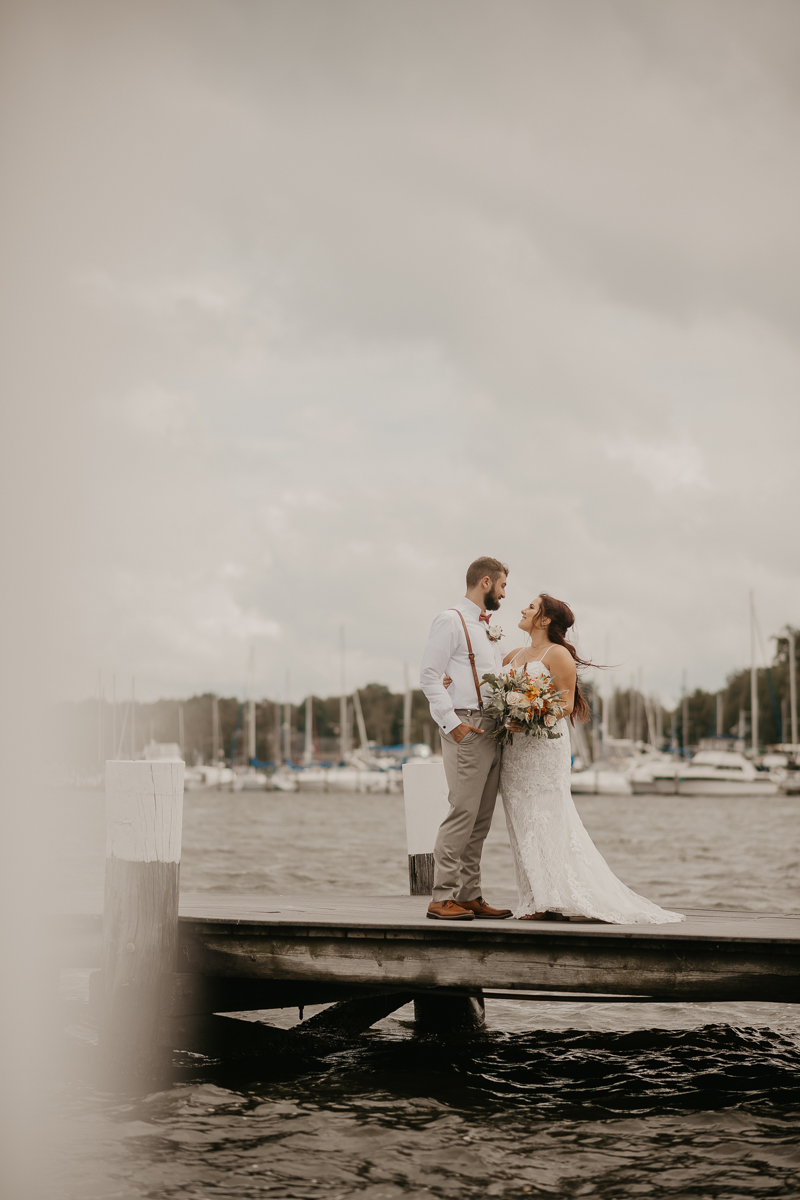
623 750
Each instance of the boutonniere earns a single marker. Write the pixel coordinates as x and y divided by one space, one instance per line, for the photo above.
494 632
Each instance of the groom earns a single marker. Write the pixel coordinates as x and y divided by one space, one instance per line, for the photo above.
460 645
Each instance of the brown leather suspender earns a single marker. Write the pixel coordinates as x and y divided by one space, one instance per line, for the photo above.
471 658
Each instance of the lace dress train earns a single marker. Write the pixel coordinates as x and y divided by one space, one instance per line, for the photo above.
557 865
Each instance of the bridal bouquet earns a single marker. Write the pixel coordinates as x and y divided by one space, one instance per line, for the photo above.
533 703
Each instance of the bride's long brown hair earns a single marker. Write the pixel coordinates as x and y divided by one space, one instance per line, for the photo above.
562 618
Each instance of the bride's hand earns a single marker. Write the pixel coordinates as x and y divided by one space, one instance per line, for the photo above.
446 680
515 727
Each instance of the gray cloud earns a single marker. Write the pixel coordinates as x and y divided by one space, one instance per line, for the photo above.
338 296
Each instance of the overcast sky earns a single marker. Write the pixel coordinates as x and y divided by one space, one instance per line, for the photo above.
323 300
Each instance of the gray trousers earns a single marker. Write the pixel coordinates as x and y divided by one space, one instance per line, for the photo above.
472 768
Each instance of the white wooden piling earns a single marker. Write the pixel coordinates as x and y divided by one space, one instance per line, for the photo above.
426 806
144 817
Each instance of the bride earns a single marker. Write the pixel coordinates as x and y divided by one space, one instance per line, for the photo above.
558 867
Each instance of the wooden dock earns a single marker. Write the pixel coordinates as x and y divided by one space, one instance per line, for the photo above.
172 964
291 948
389 942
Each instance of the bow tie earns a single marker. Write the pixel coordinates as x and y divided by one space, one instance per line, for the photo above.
484 617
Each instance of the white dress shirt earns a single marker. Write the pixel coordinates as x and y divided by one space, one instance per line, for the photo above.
446 653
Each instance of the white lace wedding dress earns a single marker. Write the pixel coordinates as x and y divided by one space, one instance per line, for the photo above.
557 865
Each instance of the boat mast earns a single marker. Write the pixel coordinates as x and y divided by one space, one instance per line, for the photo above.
792 687
215 730
650 717
406 714
684 716
308 746
753 677
608 691
276 732
251 707
100 707
362 729
344 740
287 723
610 705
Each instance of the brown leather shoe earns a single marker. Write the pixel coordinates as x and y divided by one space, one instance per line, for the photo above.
481 909
448 910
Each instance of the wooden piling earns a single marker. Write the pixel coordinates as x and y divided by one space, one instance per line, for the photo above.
425 800
449 1014
144 811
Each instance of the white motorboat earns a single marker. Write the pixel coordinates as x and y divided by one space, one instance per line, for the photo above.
208 776
343 779
249 780
348 779
312 779
724 773
599 781
790 784
284 780
374 781
656 776
395 778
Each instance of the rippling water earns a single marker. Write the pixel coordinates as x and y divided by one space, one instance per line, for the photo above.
554 1099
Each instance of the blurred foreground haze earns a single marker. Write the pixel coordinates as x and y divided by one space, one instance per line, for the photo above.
307 305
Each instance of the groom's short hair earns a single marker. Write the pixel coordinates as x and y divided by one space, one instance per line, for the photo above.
485 566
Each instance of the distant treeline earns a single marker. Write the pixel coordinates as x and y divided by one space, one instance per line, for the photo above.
85 733
773 706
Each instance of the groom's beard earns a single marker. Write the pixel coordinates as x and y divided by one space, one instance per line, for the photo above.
490 603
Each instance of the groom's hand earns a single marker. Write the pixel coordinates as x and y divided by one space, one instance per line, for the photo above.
460 732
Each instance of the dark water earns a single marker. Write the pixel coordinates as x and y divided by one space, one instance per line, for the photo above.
557 1099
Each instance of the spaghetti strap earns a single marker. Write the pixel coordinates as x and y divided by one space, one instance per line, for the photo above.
547 651
516 656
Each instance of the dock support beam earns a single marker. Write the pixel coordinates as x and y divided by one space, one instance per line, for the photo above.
144 813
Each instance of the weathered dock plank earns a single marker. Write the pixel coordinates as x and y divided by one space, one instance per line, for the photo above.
387 943
405 913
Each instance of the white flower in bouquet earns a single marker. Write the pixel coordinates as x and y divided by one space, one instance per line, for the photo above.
533 705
